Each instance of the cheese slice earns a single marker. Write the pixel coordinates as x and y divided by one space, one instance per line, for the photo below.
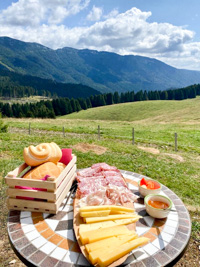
106 207
95 235
98 213
117 252
95 226
100 244
96 251
110 217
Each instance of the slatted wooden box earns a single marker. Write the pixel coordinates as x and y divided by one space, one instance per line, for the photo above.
47 201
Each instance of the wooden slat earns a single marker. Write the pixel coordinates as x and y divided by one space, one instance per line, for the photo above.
66 181
17 171
65 171
50 196
13 202
12 192
64 193
29 205
32 209
13 181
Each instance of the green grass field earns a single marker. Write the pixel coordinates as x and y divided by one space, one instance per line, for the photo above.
154 122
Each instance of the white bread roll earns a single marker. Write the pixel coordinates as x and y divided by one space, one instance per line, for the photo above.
36 155
39 172
61 166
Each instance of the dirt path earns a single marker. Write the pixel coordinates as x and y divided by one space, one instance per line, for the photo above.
156 151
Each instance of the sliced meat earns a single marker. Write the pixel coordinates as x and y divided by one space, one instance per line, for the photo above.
96 198
116 180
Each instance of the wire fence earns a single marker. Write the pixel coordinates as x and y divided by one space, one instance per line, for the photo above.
133 137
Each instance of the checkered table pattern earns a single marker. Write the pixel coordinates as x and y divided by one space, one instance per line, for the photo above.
41 239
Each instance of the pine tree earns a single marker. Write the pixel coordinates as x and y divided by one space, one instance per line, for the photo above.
116 98
3 127
109 99
89 105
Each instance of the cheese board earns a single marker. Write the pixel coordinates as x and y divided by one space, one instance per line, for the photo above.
78 220
104 216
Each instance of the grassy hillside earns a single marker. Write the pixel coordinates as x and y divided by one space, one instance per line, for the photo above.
160 111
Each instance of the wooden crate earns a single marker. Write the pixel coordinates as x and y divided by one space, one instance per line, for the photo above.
47 201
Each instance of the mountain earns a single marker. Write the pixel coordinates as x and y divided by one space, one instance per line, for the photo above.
14 84
102 71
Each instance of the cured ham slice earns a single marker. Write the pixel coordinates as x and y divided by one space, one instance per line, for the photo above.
116 180
104 167
112 173
102 184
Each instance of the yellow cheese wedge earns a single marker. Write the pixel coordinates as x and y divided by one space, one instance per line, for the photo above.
95 226
98 213
119 212
110 218
95 235
106 207
107 258
95 252
100 244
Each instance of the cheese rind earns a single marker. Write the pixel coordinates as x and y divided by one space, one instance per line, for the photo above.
108 257
110 217
95 235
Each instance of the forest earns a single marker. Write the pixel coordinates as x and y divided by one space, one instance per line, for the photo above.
63 106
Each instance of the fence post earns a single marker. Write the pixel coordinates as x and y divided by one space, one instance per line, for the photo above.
98 132
63 131
133 136
176 143
29 128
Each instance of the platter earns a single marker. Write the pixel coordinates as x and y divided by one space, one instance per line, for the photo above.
78 220
104 216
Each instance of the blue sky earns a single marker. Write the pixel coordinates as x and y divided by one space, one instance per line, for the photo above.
168 30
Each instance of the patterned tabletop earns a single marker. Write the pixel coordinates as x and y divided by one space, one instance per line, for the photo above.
41 239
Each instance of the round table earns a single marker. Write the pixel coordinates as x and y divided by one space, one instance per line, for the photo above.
41 239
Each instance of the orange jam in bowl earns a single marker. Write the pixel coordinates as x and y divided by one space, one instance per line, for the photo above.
158 204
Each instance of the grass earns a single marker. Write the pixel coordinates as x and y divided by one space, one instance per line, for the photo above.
23 100
155 124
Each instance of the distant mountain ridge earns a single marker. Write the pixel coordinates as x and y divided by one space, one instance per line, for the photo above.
103 71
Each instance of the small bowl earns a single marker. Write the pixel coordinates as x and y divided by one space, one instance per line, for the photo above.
155 212
144 191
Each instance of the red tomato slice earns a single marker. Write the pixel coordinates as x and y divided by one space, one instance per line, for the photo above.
156 186
143 182
150 185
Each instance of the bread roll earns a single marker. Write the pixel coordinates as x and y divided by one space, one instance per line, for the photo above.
45 152
61 166
39 172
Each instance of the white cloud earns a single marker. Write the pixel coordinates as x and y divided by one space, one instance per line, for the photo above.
123 33
33 13
95 14
113 13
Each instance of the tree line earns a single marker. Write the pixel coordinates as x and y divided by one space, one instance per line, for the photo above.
15 85
63 106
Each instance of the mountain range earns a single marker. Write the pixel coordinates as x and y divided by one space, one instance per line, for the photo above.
102 71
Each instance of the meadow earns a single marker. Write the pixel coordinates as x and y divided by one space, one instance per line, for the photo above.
152 154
